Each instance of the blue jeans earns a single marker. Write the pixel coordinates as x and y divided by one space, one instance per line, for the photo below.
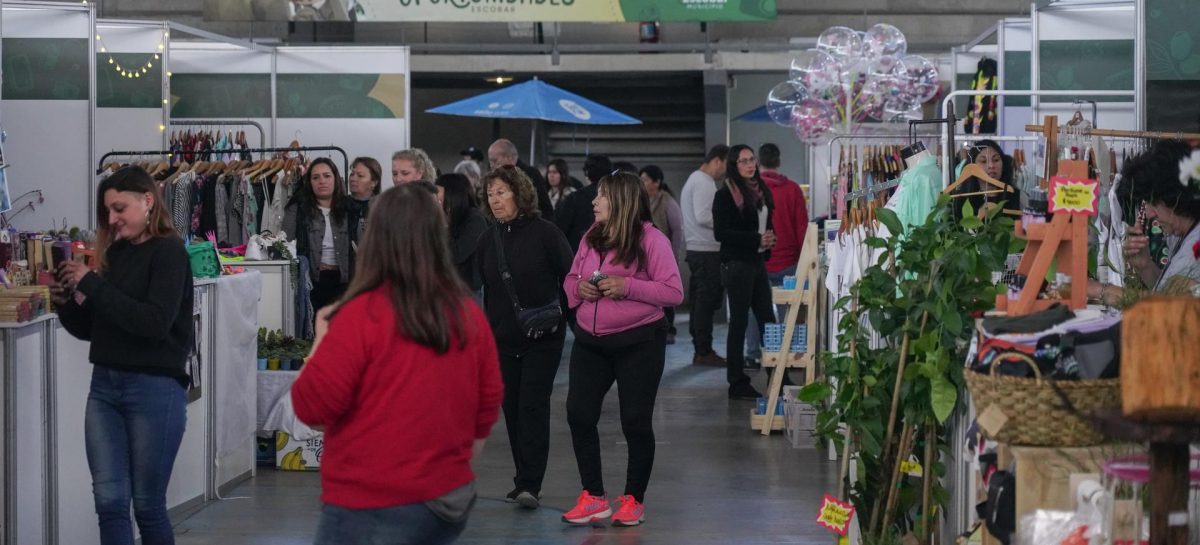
753 339
411 524
132 429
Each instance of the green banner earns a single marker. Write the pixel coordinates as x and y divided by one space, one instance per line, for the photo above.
116 91
493 11
45 69
1018 76
1099 65
1172 65
220 95
363 96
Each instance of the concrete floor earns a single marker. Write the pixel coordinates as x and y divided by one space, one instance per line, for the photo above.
715 481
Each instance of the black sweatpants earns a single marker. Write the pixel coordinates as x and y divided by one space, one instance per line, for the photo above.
528 383
705 294
749 291
634 360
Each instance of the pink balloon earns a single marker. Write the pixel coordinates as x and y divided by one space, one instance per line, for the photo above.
812 119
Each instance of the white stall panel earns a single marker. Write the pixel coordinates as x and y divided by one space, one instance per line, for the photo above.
30 420
77 522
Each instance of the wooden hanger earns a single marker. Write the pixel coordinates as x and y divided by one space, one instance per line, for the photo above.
973 170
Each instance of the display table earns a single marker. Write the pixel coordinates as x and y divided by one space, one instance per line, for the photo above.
277 305
46 377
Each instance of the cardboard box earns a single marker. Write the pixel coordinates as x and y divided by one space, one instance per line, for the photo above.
295 455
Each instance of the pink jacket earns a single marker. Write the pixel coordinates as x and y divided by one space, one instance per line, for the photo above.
648 287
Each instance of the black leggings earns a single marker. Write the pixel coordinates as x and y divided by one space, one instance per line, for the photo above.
528 383
637 368
327 288
749 291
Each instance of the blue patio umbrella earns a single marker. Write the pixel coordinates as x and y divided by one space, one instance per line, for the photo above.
538 100
757 115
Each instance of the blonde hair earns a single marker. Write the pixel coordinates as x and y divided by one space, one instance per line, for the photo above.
420 161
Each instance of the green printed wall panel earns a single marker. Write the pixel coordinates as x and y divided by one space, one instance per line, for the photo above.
1100 65
116 91
45 69
1172 40
364 96
220 95
1172 65
1018 76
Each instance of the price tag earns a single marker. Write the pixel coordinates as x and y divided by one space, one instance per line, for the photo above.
1074 196
835 515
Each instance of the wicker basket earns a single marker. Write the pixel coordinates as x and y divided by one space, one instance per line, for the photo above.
1036 412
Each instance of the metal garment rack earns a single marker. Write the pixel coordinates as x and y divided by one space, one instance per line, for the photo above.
168 153
262 135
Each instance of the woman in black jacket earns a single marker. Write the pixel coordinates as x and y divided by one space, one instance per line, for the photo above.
466 223
538 259
742 224
140 328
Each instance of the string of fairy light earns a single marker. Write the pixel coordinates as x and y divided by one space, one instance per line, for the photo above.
126 71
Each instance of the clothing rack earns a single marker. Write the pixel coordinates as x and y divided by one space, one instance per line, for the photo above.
262 135
1152 135
873 189
169 153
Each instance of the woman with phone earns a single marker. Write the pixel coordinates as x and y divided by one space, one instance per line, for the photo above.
622 277
140 328
1162 185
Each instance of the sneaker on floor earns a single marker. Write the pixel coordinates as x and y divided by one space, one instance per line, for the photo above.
588 509
753 363
631 512
743 391
709 359
529 500
511 497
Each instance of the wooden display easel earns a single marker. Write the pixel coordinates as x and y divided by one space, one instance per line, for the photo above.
1065 237
808 285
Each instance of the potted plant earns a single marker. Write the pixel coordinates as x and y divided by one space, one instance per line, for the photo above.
263 348
287 348
273 351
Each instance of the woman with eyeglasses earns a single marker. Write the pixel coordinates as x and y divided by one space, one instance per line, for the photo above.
742 225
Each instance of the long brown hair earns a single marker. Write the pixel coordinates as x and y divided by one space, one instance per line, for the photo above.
406 247
133 179
628 210
373 168
339 205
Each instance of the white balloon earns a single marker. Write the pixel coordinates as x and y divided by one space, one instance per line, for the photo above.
842 42
923 79
781 99
815 69
884 39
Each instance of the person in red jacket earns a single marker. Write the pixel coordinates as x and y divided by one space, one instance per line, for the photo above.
405 379
790 222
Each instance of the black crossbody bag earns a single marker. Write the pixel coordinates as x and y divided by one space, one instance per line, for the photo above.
534 322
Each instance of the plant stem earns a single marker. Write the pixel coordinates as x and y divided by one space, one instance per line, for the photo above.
906 440
844 473
927 475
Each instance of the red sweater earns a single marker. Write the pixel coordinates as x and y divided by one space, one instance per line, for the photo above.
399 419
790 221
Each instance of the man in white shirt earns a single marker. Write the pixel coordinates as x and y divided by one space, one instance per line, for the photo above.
703 253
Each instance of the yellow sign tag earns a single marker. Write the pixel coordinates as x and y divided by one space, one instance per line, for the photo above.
910 467
1074 196
835 515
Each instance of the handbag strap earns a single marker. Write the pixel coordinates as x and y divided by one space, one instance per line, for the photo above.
505 275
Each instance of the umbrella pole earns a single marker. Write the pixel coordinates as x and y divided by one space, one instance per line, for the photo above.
532 142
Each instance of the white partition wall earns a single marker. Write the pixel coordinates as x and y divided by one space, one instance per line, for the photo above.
130 111
1085 45
220 81
356 98
46 110
1015 38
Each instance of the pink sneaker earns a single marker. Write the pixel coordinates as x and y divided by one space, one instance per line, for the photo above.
631 512
588 509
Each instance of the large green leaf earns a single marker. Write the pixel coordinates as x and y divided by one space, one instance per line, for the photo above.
890 220
815 392
943 397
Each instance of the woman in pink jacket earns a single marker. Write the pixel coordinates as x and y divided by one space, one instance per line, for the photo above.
623 275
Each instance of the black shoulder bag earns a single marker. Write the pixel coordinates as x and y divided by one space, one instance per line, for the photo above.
534 322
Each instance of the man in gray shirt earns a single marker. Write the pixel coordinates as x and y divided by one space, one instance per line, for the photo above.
703 253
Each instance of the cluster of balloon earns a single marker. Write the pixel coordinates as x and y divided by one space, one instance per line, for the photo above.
852 76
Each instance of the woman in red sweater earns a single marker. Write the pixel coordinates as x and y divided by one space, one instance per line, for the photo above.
405 379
